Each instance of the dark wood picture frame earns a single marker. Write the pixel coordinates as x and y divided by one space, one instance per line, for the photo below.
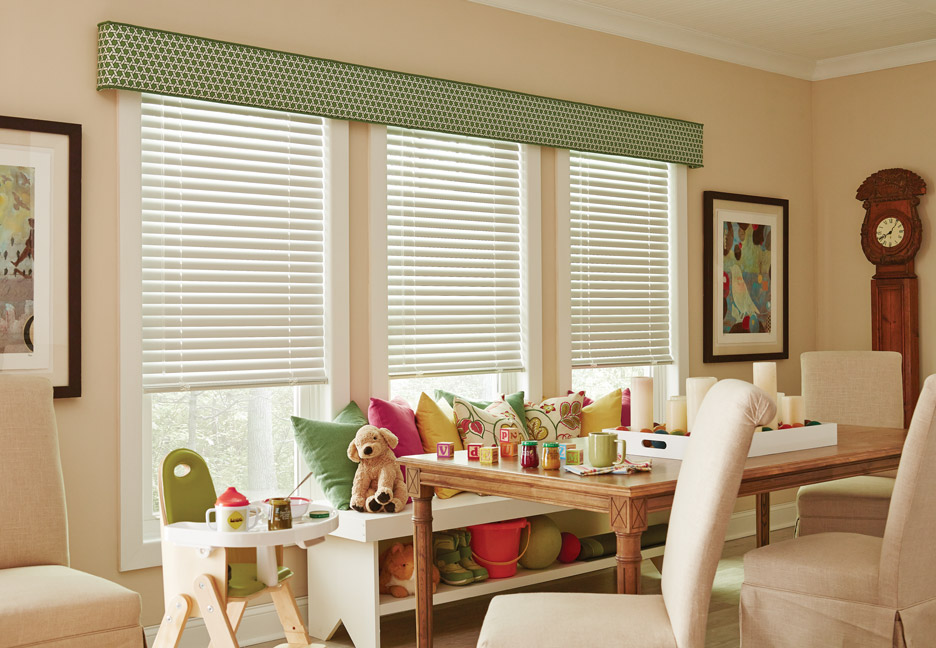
779 350
69 387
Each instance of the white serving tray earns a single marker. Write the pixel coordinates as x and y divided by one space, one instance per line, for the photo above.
763 443
198 534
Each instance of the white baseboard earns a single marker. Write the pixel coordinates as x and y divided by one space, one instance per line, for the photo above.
261 624
743 523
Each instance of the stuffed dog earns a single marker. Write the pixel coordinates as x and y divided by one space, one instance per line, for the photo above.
378 483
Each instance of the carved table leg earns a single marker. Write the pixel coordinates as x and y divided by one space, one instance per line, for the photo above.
762 517
628 520
422 544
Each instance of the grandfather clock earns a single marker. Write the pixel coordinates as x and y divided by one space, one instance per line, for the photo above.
890 237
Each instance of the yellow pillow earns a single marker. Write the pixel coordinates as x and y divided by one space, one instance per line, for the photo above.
604 412
434 425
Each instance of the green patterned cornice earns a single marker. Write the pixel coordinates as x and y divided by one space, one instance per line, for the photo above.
150 60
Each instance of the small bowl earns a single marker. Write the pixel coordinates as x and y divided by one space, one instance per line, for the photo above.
297 505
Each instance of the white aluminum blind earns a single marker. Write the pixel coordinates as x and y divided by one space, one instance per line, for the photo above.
233 245
453 238
620 261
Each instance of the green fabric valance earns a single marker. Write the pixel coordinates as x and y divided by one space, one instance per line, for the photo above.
150 60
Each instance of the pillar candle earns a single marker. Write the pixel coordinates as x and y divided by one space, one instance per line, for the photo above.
696 389
676 414
794 410
641 403
765 377
780 418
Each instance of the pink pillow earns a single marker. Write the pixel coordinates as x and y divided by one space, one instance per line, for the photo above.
397 416
625 407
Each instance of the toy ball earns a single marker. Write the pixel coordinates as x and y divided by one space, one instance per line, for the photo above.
646 431
812 423
766 429
798 425
786 426
678 433
660 431
545 543
571 546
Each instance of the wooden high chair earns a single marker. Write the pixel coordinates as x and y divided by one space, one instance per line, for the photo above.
202 578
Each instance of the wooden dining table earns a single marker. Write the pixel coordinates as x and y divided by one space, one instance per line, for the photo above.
629 499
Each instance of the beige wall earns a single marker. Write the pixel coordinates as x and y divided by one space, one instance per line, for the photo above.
862 124
758 140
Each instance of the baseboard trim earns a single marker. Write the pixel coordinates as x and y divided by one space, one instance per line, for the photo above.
261 624
744 523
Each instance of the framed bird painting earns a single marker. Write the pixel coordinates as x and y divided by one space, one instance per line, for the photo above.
745 287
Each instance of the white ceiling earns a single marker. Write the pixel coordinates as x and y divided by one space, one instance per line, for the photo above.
808 39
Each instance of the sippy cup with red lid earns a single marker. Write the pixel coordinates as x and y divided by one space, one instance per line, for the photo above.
233 512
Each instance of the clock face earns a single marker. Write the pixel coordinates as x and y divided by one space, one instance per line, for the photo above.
890 232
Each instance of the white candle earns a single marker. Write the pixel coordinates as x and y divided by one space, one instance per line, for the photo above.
794 410
676 414
696 389
641 403
765 377
779 403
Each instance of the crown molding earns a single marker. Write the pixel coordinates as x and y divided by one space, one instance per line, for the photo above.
873 60
581 13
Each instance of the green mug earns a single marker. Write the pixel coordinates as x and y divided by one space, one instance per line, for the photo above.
602 449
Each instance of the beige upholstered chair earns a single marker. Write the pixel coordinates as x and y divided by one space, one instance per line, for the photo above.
43 602
851 388
705 495
849 589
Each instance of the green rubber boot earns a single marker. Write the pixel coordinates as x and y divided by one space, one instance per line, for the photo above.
447 557
463 536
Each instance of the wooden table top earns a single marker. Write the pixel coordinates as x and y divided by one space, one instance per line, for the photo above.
860 450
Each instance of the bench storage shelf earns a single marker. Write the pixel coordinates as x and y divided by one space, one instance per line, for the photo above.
345 571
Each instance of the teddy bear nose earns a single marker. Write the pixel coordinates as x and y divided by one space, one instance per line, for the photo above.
368 450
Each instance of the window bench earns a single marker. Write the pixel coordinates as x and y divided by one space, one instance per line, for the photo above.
343 570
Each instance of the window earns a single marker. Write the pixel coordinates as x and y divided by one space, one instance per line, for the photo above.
624 272
224 286
457 216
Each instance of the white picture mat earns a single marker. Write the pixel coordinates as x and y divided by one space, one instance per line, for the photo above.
48 154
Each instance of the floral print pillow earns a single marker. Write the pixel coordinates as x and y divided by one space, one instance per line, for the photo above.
476 425
555 419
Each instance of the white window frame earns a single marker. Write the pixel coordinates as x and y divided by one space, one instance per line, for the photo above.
139 529
668 379
531 380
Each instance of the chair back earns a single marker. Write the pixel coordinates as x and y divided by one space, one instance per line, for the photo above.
908 571
186 496
705 496
33 523
853 387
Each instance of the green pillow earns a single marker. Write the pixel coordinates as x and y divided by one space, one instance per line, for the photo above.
514 400
351 414
324 446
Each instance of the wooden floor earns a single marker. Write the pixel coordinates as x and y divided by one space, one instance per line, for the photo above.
457 625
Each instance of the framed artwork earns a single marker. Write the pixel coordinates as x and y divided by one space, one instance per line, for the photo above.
40 251
745 287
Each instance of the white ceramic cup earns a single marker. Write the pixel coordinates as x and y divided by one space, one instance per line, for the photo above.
233 519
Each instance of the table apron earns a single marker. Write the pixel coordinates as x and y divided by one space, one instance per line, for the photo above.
769 483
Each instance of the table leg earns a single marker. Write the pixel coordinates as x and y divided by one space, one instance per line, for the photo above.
762 515
422 543
628 520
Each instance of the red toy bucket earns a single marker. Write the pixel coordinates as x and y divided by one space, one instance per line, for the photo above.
495 546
